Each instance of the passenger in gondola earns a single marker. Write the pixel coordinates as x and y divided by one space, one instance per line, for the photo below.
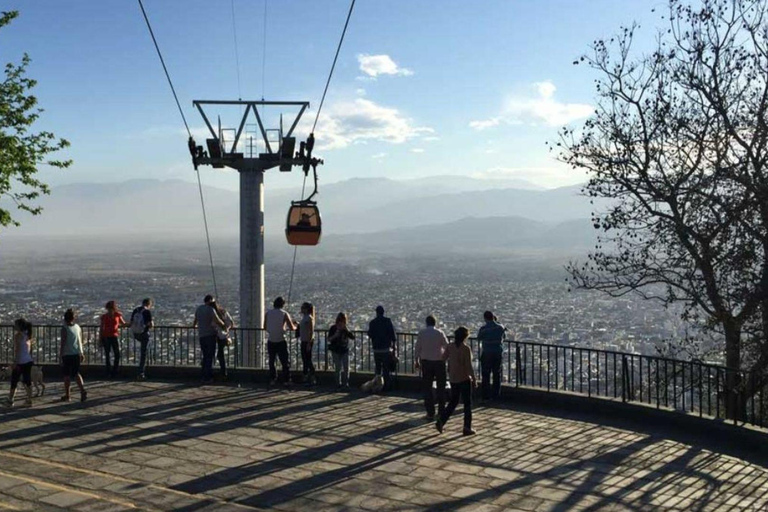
304 221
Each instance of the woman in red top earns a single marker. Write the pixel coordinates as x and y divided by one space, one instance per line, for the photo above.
111 321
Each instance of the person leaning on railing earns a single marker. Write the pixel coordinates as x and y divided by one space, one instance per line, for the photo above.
491 337
384 344
109 332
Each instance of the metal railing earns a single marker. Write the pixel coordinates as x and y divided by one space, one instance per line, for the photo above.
691 387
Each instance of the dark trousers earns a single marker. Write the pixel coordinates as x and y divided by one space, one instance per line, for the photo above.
111 345
208 348
279 350
431 371
21 372
143 339
221 356
490 365
463 390
382 362
308 367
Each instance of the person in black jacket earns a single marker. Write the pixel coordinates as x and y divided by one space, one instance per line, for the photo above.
384 344
338 344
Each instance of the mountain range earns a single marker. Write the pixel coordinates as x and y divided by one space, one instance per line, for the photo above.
376 212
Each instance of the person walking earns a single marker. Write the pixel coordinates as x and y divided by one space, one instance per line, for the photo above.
141 323
431 345
384 344
338 343
71 355
206 321
22 358
223 338
109 331
307 341
276 321
462 377
491 337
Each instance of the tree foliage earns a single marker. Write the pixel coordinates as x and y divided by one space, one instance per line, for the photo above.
22 150
679 145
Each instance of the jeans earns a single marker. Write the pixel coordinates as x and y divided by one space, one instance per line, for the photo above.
208 349
308 367
463 390
111 344
382 361
143 339
221 356
431 371
279 350
341 365
490 364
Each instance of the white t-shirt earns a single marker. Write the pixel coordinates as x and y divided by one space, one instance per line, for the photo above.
275 323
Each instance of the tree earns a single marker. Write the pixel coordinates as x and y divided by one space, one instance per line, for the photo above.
679 145
22 151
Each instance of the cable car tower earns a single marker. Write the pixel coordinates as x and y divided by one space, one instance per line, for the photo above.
303 218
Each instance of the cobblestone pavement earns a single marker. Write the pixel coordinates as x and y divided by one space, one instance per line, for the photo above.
172 446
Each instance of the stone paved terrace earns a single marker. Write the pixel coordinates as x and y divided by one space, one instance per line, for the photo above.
175 446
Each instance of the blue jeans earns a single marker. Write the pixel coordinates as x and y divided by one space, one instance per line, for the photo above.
143 339
208 348
341 365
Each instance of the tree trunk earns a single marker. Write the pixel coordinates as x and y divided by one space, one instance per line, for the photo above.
735 406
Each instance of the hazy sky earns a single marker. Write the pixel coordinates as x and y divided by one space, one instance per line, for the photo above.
422 87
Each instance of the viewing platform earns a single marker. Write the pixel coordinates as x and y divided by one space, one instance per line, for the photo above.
576 429
176 446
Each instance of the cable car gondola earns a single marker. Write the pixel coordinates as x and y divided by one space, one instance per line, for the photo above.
304 224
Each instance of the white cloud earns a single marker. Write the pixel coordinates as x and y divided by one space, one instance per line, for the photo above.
361 120
360 91
375 65
417 150
541 107
379 156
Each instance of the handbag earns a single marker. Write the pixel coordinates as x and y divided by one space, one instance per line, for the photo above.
393 361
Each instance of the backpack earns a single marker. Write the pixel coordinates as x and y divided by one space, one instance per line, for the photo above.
137 321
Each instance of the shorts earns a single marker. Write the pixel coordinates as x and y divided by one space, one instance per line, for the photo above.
70 366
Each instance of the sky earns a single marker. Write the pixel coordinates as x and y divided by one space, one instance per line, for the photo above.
422 88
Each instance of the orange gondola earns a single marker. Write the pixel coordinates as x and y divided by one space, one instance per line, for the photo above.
303 224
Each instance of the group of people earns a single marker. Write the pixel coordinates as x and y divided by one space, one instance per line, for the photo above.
214 324
279 325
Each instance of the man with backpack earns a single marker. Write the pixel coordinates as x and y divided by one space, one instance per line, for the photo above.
141 323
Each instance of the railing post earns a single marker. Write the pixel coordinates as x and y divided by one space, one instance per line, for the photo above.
518 366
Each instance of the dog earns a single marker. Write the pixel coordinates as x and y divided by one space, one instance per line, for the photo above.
375 385
36 374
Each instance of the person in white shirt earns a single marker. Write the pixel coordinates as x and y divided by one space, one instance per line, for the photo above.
431 345
276 321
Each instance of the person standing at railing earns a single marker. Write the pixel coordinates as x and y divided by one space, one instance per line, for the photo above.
223 339
206 321
338 343
384 344
462 375
22 358
109 331
71 355
307 341
276 322
491 337
141 323
431 345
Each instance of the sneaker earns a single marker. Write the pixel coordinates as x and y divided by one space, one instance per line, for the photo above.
469 432
141 376
439 425
9 403
83 396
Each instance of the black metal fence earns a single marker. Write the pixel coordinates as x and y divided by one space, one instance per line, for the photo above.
691 387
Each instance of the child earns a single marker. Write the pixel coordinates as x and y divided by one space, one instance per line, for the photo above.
462 378
71 354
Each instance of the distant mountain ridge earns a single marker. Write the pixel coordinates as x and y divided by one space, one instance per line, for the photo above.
360 205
